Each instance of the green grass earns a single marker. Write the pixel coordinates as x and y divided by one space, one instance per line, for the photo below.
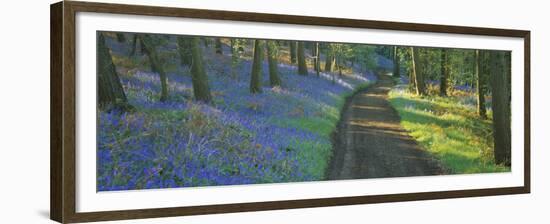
316 155
451 131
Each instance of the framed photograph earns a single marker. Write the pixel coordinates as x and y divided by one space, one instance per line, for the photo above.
159 111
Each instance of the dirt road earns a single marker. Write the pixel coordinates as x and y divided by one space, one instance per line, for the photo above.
370 142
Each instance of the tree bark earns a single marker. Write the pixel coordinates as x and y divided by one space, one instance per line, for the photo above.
329 60
417 73
481 110
272 53
292 52
110 91
396 66
500 63
302 66
201 89
156 64
135 42
219 49
256 73
338 65
234 57
444 72
184 50
318 58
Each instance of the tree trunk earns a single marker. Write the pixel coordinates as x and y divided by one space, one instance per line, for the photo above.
234 57
201 89
481 110
396 67
501 106
219 49
338 65
256 73
333 63
417 73
110 92
329 60
135 42
156 65
292 52
444 72
302 67
184 50
317 62
274 79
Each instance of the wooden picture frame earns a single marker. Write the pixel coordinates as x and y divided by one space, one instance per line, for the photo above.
63 118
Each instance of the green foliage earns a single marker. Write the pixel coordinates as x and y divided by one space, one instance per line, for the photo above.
450 130
365 56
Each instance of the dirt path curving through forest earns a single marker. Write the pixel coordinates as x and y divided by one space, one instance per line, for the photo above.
370 142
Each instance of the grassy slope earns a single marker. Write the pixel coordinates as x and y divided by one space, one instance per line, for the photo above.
451 131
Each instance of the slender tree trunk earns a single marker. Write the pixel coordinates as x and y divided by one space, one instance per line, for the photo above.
292 51
329 60
317 59
412 85
314 55
156 65
334 63
219 48
234 57
135 42
396 66
302 67
201 89
339 65
340 71
110 91
256 73
184 50
417 73
274 79
444 72
481 110
501 106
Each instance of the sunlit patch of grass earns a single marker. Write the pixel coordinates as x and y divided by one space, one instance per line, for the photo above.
451 131
318 125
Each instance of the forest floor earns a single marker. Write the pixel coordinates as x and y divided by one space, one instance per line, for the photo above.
371 143
280 135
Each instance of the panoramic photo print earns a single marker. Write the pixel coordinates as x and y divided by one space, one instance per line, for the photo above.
187 111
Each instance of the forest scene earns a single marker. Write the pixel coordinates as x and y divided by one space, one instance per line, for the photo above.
187 111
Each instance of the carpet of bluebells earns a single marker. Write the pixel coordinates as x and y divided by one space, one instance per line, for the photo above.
280 135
